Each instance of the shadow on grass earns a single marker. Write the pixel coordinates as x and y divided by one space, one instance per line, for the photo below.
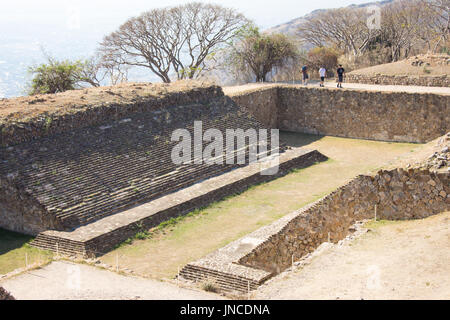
12 240
296 140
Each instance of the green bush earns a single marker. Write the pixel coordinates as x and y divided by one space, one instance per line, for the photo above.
54 76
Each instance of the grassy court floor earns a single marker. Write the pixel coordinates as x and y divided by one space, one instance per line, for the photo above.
162 251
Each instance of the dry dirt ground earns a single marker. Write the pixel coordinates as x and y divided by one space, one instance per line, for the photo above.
394 260
23 108
330 83
63 280
437 66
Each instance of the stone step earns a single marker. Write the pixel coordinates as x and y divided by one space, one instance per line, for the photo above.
224 281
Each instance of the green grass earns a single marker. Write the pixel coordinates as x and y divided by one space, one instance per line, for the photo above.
15 250
372 224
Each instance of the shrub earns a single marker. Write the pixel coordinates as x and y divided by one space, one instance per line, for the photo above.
61 75
209 286
53 77
425 70
142 235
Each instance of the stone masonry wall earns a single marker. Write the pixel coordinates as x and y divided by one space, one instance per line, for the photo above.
386 116
428 81
261 103
20 213
397 195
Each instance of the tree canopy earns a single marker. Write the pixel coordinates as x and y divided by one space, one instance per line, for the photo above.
404 25
260 52
174 40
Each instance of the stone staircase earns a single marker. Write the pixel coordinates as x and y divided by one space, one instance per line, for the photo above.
87 174
225 282
102 235
59 245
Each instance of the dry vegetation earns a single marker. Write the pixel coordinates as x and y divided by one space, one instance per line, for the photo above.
430 65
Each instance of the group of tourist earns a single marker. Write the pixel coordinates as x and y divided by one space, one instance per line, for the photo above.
323 73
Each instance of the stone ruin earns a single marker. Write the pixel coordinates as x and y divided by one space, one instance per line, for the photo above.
78 180
397 194
86 170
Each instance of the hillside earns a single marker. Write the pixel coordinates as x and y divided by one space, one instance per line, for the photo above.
421 65
291 27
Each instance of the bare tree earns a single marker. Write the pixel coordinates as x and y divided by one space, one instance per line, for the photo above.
343 28
400 25
177 39
437 24
406 26
92 71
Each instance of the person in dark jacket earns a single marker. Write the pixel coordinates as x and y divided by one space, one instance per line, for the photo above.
340 73
305 75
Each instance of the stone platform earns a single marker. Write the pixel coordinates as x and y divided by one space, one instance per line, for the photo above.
104 234
223 267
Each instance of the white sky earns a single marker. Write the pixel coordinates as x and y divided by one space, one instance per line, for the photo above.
111 13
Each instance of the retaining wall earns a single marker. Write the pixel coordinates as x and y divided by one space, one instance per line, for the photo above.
405 80
394 195
375 115
72 109
261 103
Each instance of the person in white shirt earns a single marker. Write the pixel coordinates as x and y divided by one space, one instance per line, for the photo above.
323 74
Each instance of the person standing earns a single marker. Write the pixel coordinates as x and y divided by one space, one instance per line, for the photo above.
323 74
305 75
340 72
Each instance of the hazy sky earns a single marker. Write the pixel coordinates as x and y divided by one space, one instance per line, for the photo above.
73 29
110 13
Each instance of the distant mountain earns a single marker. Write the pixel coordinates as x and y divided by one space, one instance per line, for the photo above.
290 28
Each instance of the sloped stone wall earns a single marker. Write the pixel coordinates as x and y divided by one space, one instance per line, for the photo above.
21 213
64 181
383 79
261 103
393 195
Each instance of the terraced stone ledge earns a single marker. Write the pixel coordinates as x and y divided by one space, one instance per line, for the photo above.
102 235
223 267
392 195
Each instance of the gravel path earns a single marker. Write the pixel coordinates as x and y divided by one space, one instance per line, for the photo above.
400 260
65 280
356 86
